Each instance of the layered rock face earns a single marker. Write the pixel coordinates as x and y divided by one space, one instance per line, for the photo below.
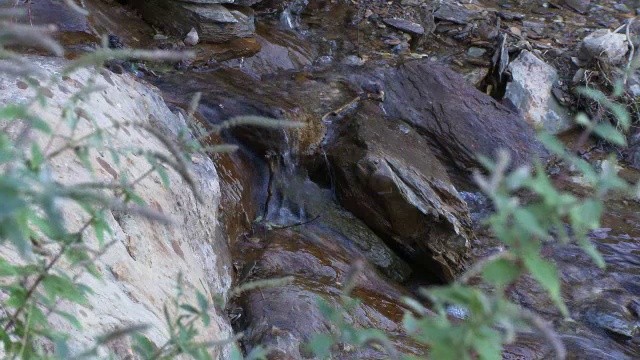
140 270
459 121
387 176
213 21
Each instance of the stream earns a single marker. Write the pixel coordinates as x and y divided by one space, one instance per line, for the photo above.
381 171
371 175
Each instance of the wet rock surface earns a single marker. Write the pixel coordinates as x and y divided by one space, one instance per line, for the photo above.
386 176
360 82
457 120
213 21
287 317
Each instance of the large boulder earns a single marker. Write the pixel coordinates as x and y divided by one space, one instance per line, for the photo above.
140 270
458 121
213 21
388 177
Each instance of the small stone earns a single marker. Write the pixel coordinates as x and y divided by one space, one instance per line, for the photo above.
160 37
393 41
621 7
353 60
412 2
615 319
577 78
404 25
368 13
516 31
509 15
476 51
580 6
192 38
605 45
326 59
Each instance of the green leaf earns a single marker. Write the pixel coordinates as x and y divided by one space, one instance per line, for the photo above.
189 308
586 216
500 272
321 344
529 222
58 286
6 268
552 143
610 134
37 157
69 317
100 227
164 176
546 274
143 346
82 152
488 344
592 251
202 301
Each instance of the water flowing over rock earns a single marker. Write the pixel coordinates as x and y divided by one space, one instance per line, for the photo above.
140 271
286 317
387 176
457 120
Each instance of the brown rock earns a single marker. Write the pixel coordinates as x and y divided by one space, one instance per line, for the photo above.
458 121
387 176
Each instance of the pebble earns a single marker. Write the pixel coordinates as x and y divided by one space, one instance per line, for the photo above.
476 51
516 31
404 25
353 60
192 38
621 7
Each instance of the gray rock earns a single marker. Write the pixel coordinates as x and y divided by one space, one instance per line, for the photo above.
449 11
580 6
405 25
476 51
605 45
621 7
353 60
475 76
192 38
140 270
386 176
214 22
615 319
458 121
530 92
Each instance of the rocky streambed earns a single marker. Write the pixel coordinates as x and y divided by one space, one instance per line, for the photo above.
397 99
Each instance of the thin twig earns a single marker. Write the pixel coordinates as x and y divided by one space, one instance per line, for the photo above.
631 51
547 331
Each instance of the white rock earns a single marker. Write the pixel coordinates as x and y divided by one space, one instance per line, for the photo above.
605 45
530 92
141 268
192 38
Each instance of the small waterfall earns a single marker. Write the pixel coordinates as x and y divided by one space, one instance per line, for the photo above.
285 206
290 16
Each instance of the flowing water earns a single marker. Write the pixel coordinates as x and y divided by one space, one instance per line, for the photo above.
283 218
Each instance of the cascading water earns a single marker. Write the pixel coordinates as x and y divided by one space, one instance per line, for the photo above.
284 206
290 16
